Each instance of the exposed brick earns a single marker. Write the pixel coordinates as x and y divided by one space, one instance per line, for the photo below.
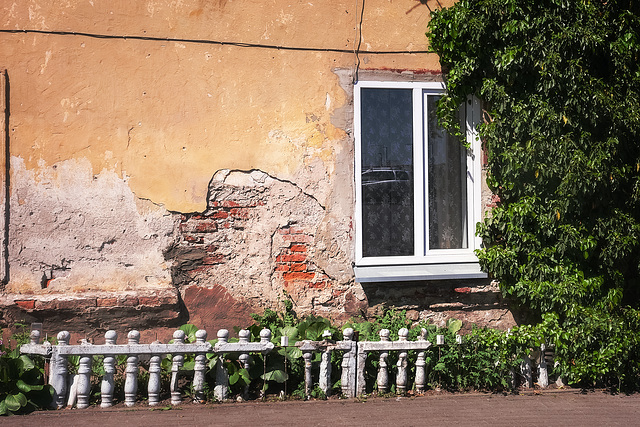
298 248
463 290
283 230
193 239
47 305
240 213
298 276
291 258
106 302
149 301
296 230
75 304
230 204
221 215
206 227
298 238
298 267
213 259
318 285
282 267
26 304
128 301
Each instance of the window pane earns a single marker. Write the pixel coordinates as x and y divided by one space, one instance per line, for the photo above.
387 172
447 186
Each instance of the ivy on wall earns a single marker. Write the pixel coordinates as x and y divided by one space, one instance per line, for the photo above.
561 83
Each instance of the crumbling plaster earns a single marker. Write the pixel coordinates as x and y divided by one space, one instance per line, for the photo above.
114 142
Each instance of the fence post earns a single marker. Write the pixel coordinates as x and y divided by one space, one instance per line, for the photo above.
58 372
525 368
131 372
421 375
348 378
383 374
84 378
109 362
178 360
222 376
401 376
543 373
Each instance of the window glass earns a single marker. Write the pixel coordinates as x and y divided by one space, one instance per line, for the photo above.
387 172
447 185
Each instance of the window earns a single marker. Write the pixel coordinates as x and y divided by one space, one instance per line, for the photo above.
417 188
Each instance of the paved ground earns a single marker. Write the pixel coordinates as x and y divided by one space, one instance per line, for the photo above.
548 408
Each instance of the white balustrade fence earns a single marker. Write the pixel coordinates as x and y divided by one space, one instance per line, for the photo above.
354 355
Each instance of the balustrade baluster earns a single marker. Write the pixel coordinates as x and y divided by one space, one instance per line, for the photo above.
178 360
153 388
543 373
244 358
324 381
108 385
383 374
348 365
58 372
221 389
199 368
401 376
421 375
84 378
131 372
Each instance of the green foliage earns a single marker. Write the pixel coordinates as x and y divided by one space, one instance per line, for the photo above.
22 388
561 84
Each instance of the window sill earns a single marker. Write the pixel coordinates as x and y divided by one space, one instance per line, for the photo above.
396 273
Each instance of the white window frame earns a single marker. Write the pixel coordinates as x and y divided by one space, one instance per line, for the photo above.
427 264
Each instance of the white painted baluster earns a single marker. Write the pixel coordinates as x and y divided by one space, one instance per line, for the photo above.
421 375
348 366
108 384
543 374
325 373
131 372
178 360
84 378
221 389
265 336
383 373
58 372
244 336
199 368
153 387
306 355
401 376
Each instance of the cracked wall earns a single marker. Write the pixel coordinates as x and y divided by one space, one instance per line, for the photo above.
113 142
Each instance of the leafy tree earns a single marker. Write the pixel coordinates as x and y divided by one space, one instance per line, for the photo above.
560 80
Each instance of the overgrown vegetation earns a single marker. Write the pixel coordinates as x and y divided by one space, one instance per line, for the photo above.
561 83
22 388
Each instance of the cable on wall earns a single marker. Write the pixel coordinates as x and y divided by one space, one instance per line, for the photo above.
214 42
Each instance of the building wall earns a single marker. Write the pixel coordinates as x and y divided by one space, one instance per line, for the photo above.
153 181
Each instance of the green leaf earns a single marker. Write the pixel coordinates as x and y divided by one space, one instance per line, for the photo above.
275 375
15 401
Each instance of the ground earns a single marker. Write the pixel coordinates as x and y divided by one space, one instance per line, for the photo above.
553 407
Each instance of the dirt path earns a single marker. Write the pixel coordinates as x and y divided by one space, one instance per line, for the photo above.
562 408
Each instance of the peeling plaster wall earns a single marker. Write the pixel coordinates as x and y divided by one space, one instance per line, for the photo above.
160 182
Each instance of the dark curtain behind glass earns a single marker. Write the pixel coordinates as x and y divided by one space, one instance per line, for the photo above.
387 172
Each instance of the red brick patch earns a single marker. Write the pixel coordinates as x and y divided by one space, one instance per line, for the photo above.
107 302
462 290
26 304
291 258
298 248
298 276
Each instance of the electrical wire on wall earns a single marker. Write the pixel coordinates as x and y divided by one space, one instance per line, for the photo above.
210 42
357 41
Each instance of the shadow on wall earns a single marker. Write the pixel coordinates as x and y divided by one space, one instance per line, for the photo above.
476 302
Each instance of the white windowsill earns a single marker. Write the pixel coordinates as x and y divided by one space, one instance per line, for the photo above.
397 273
